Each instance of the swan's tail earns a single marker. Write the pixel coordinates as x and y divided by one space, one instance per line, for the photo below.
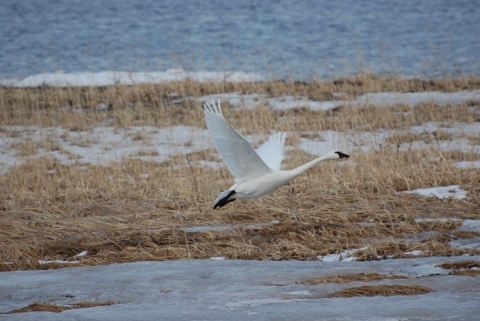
223 198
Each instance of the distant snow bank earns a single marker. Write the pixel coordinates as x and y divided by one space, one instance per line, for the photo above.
382 99
248 101
109 78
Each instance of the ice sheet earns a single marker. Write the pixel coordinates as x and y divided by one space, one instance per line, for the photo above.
239 290
441 192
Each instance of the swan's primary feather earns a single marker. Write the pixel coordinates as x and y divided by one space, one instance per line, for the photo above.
241 159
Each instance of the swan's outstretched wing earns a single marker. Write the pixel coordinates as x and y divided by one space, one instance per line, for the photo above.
239 156
271 152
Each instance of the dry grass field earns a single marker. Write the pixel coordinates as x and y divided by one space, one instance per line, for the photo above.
50 210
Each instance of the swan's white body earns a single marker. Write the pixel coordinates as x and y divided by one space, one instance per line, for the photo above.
257 173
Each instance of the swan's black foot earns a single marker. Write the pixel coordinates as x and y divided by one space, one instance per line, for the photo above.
224 200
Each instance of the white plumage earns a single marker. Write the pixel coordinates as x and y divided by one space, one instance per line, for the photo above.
257 173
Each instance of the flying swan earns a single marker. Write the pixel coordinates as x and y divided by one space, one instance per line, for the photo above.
257 173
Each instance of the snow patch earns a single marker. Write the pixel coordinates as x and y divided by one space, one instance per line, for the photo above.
300 293
441 192
213 228
414 252
110 78
83 253
101 145
470 226
385 99
254 303
57 261
441 219
235 100
345 256
468 244
467 164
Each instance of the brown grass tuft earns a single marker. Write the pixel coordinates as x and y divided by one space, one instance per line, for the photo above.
469 268
381 290
362 277
46 307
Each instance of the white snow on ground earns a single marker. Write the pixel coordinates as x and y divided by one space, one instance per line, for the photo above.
385 99
57 261
101 145
388 99
250 101
212 228
467 226
442 219
467 164
368 141
304 293
414 252
466 243
344 256
470 225
216 228
109 78
441 192
290 102
83 253
240 290
235 100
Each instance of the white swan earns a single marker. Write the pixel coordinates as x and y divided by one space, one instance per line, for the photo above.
257 173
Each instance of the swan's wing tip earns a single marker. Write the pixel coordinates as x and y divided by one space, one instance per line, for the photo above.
213 108
280 137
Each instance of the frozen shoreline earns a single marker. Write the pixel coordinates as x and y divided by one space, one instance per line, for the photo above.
239 290
111 78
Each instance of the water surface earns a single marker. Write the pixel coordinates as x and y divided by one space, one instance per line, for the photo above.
277 38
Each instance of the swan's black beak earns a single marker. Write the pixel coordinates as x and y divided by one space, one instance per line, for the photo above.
342 155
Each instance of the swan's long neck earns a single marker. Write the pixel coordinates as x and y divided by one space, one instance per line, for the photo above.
305 167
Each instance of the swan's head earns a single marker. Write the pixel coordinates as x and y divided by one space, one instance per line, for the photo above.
337 154
342 155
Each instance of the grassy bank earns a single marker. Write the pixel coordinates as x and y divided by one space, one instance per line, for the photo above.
50 210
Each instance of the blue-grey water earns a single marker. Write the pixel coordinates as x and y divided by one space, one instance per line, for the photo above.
276 38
